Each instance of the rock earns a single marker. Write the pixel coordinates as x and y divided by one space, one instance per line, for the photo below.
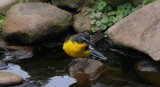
35 22
14 53
137 2
82 21
5 5
150 71
92 70
17 53
8 78
2 65
115 3
77 4
139 31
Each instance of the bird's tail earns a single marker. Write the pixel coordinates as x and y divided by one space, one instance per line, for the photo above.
96 53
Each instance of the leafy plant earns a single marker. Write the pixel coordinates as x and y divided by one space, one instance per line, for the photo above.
1 21
103 16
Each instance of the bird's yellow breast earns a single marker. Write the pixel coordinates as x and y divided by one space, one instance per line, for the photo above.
75 49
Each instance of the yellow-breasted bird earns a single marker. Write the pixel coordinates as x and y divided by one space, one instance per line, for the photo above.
80 46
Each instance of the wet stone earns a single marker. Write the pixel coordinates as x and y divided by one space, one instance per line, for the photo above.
92 70
8 78
17 53
149 71
2 65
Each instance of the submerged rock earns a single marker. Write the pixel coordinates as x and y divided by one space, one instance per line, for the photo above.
139 31
8 78
150 71
35 22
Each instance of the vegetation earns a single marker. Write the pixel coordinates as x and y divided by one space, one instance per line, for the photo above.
2 17
1 21
147 2
103 16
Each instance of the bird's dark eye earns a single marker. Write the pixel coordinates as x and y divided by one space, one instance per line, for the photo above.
86 48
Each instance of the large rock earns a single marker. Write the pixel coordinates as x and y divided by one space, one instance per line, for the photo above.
140 30
91 69
74 3
82 21
35 22
8 78
5 5
137 2
78 4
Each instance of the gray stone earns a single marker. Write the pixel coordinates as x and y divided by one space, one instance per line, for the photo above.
137 2
77 4
91 71
140 30
35 22
82 21
8 78
5 5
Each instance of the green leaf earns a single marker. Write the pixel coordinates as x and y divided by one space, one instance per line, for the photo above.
93 22
145 2
98 23
119 12
109 24
120 7
104 20
108 8
110 18
93 15
98 14
101 5
127 5
119 17
103 27
93 29
115 20
111 13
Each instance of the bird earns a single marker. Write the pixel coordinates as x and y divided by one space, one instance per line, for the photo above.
81 46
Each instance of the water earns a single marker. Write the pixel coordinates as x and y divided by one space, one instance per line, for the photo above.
50 69
44 70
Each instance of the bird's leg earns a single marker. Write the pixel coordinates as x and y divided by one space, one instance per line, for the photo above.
83 64
74 61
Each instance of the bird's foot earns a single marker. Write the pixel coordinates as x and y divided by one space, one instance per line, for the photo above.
74 61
